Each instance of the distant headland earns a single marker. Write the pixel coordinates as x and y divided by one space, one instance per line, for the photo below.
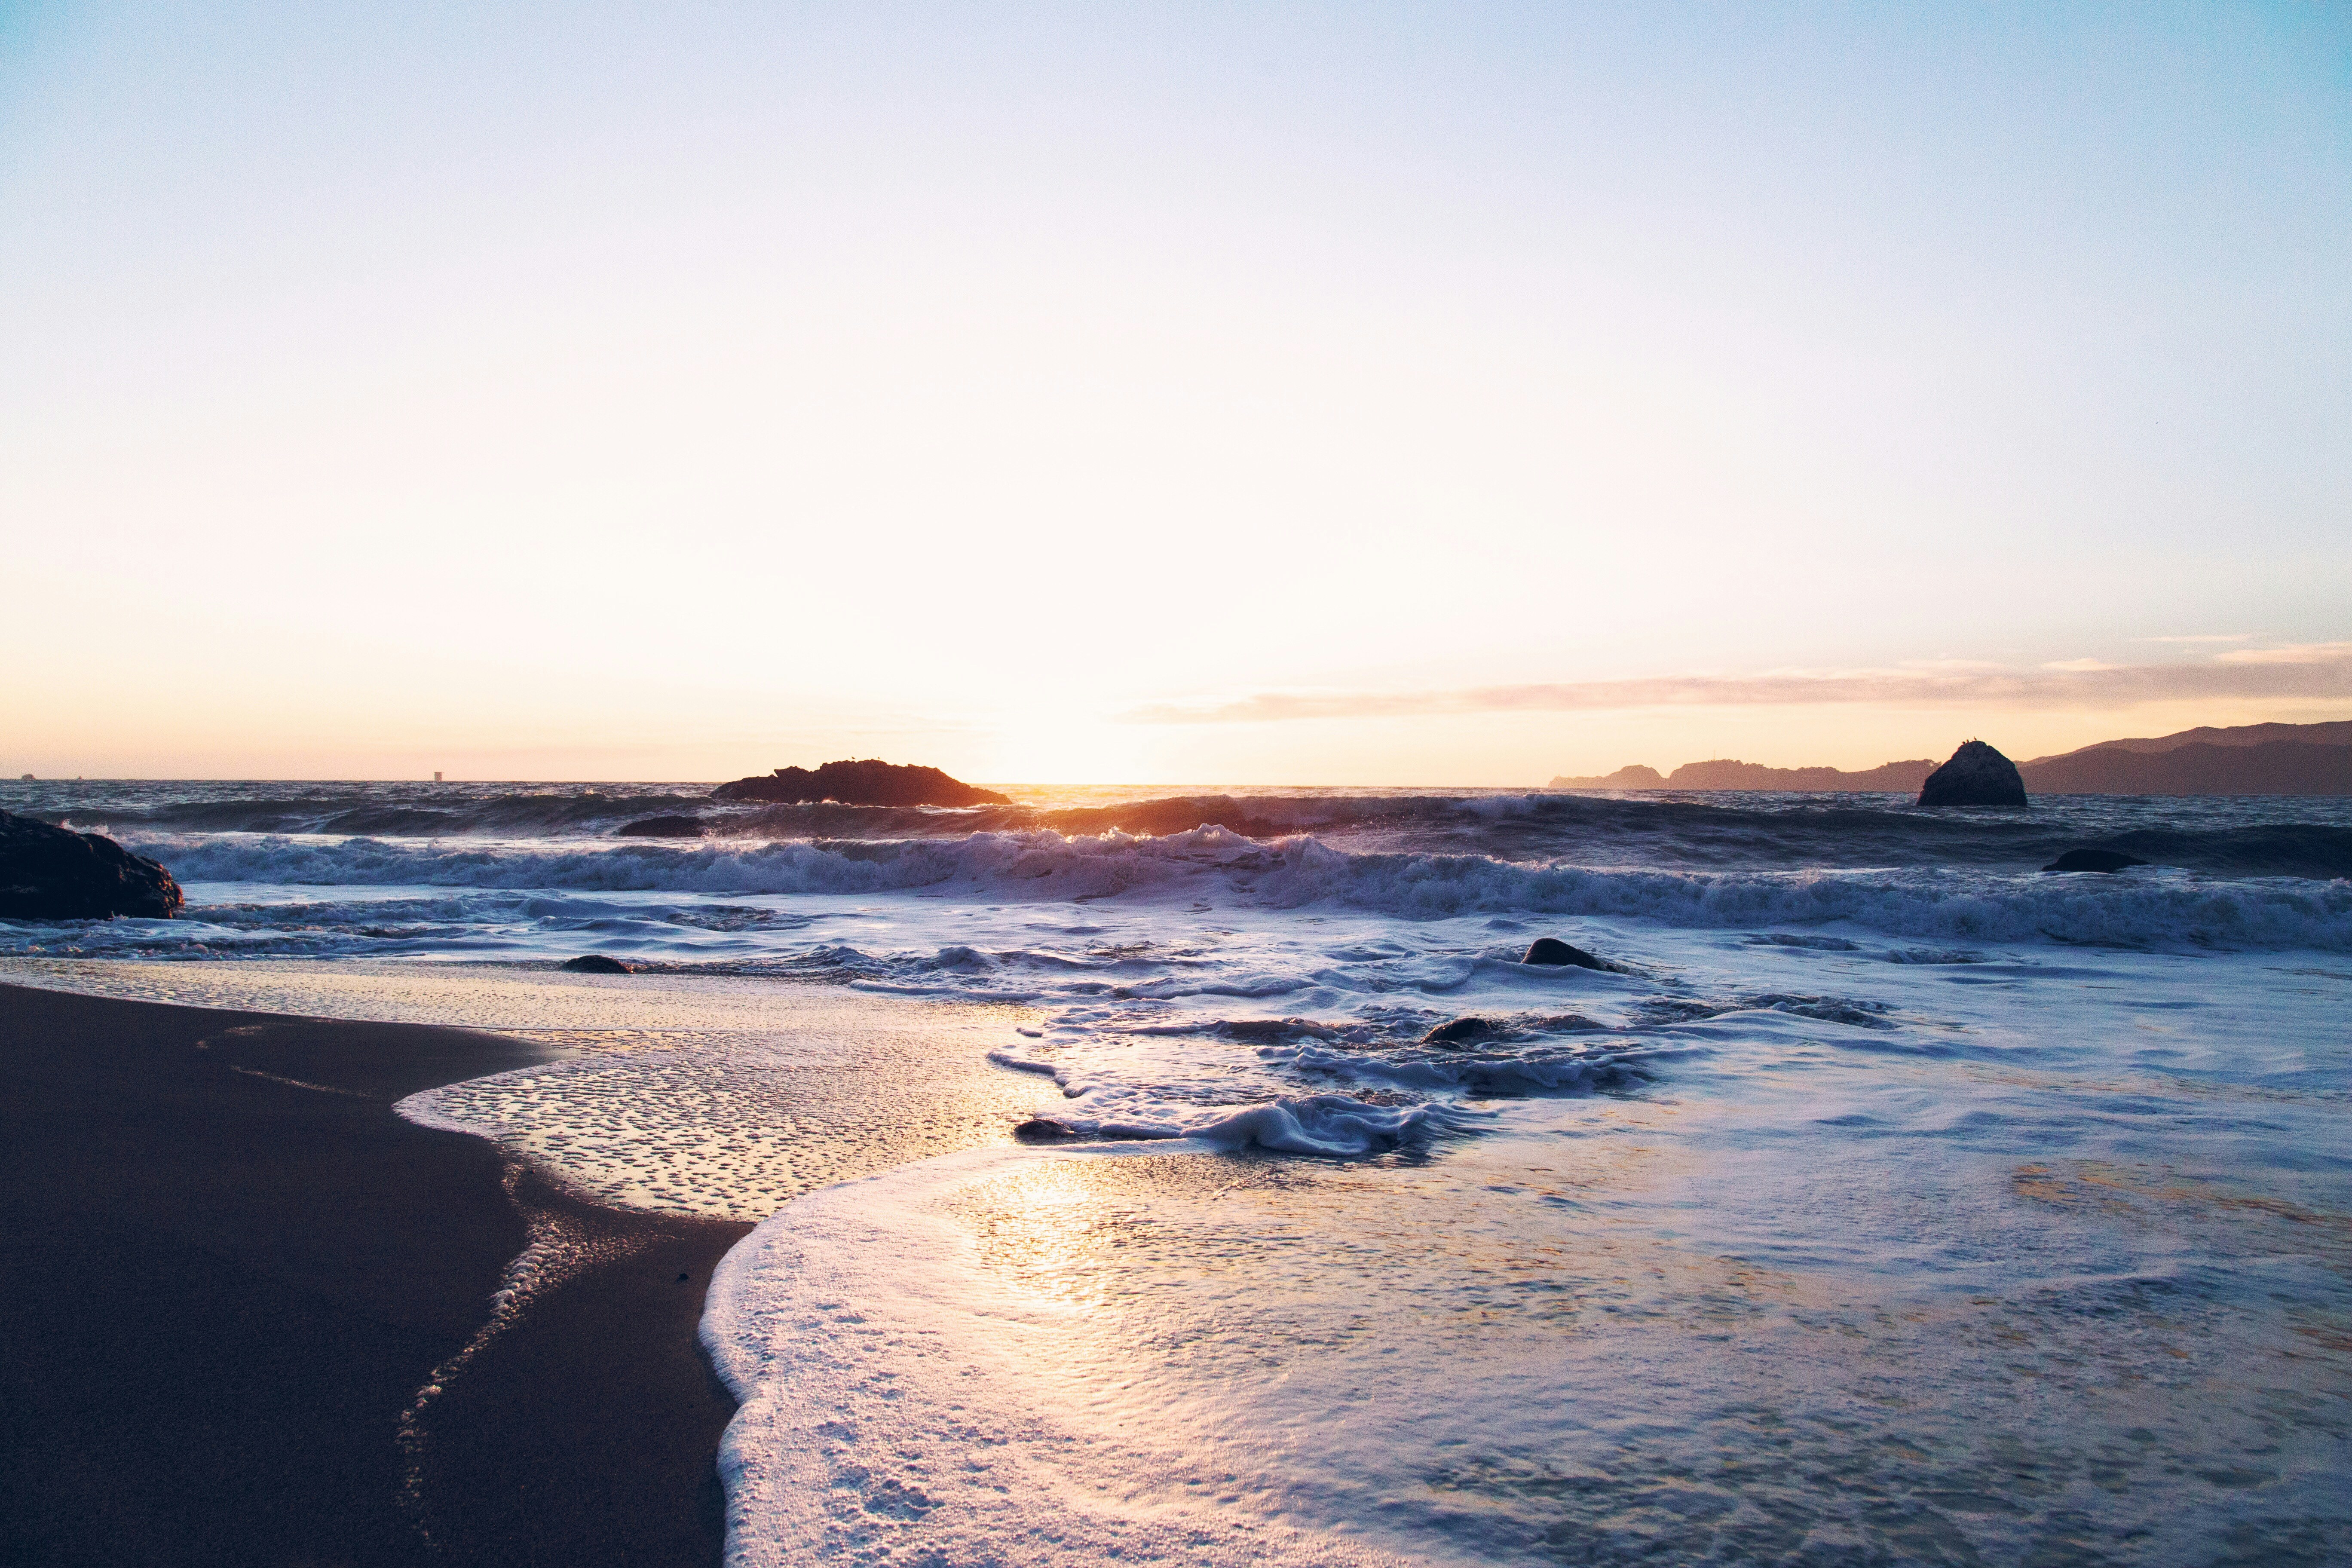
2246 759
864 783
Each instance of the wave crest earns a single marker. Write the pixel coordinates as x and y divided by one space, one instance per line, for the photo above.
1227 868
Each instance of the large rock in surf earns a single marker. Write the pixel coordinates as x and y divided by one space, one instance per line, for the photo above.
595 963
867 783
2093 860
1975 776
55 874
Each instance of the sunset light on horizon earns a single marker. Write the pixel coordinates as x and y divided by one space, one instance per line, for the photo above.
1386 395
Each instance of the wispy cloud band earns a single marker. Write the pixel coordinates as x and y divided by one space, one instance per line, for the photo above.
2310 671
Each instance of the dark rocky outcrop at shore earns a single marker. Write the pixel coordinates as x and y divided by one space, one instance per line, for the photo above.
55 874
595 963
1976 775
866 783
662 828
2093 860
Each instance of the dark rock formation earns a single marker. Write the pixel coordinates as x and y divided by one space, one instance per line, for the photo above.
1462 1032
1976 775
1555 953
1037 1130
596 963
662 828
55 874
2093 860
867 782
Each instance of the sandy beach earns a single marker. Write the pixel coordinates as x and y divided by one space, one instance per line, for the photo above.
232 1268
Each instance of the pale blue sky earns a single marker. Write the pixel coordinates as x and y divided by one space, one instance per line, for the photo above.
589 391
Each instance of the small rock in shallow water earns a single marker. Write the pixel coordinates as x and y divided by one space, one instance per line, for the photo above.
1037 1130
1263 1028
595 963
2093 860
1462 1032
1554 953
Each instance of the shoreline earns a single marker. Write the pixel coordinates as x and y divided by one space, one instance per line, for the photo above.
232 1268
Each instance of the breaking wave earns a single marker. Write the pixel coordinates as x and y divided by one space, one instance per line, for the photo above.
2140 907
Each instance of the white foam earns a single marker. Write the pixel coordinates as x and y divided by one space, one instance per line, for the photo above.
917 1413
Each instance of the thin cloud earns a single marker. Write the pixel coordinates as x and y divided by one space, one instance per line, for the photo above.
2315 670
2203 638
2294 653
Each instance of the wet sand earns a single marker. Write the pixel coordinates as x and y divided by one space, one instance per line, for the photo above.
229 1268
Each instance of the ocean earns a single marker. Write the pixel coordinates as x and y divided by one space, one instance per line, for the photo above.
1884 1199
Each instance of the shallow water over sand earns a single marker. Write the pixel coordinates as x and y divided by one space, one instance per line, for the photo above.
2062 1276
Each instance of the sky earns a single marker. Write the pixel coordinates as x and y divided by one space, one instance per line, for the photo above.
1435 394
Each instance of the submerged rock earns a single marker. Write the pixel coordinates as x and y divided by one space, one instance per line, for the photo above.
595 963
1462 1032
55 874
1975 774
662 828
867 782
1552 953
2093 860
1264 1028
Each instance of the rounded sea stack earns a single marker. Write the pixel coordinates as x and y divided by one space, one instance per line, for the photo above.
1976 775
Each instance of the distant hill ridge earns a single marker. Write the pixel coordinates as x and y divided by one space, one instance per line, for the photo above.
1725 773
2335 732
2246 759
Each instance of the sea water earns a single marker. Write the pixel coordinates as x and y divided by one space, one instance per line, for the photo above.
1882 1200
